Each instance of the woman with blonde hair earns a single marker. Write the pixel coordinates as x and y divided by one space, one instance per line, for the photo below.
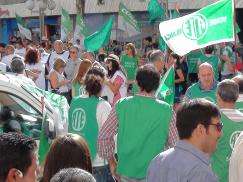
57 79
78 87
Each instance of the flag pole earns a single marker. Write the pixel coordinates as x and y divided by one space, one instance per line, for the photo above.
235 34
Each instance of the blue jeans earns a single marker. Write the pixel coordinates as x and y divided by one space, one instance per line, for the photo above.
103 174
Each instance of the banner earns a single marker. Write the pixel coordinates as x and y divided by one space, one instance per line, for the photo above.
100 38
23 30
81 30
155 10
127 22
210 25
166 92
66 25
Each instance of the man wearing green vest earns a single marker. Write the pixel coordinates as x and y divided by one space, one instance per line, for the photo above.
239 103
86 116
205 87
192 59
143 126
232 119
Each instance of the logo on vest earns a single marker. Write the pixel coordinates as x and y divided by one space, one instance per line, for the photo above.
195 27
233 138
78 119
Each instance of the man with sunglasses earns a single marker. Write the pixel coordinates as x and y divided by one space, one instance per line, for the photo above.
227 95
199 128
18 159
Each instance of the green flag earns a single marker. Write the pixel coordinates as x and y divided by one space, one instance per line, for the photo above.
127 22
45 143
66 24
155 10
23 30
237 28
162 44
210 25
165 92
60 120
81 30
174 14
100 38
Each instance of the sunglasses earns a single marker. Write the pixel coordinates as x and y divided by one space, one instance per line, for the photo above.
219 126
72 52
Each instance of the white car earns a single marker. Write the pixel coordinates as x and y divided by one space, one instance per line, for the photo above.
24 107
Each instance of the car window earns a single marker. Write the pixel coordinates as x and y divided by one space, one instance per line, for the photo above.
18 115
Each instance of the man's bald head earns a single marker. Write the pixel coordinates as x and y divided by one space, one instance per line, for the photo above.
206 76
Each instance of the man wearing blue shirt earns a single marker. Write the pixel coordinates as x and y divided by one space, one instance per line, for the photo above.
199 128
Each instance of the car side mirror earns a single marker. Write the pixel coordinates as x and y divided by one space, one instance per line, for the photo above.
49 129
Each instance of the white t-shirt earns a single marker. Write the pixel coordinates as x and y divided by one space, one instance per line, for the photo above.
38 68
122 90
102 112
8 59
236 161
53 56
20 52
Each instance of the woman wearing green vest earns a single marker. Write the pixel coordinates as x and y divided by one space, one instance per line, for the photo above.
130 62
78 82
86 116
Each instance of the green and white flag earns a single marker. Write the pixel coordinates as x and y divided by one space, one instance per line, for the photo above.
66 25
24 31
100 38
155 10
166 92
210 25
81 30
127 22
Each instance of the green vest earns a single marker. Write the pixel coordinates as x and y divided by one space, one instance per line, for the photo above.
82 120
220 158
197 92
143 126
78 89
214 61
192 61
130 65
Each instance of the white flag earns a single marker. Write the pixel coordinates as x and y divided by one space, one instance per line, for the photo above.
127 22
210 25
23 30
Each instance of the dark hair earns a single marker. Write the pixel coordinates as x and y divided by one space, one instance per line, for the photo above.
149 39
148 78
155 45
70 150
17 65
73 175
94 81
209 49
16 151
31 56
101 57
192 113
228 90
2 45
240 83
176 57
115 67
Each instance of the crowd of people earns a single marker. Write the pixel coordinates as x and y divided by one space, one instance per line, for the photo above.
118 130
